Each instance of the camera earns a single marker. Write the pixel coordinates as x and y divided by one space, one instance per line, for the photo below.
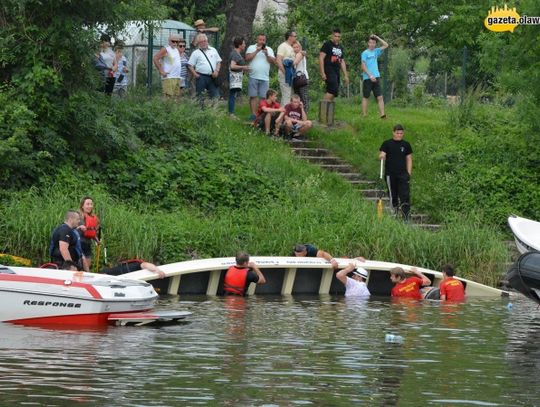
263 46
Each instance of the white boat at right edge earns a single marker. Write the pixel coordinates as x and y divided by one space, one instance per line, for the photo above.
526 233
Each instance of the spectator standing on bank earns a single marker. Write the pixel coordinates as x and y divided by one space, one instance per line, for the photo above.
397 154
204 64
168 63
260 58
120 76
184 59
331 61
371 75
237 67
284 61
301 78
106 63
200 28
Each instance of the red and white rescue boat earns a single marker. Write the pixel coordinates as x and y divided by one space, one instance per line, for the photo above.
48 297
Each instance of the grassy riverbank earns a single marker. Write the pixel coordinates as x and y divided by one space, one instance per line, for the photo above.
190 184
469 161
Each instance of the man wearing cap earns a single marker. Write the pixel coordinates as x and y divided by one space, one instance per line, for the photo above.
169 65
308 250
200 26
355 286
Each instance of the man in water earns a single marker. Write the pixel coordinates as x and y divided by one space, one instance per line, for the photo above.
132 265
238 277
451 288
408 287
308 250
355 286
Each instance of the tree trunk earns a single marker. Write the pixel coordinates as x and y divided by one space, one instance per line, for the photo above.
240 15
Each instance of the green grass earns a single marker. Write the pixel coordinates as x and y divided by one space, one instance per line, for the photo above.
286 201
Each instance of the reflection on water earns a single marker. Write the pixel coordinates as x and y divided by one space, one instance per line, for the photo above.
282 351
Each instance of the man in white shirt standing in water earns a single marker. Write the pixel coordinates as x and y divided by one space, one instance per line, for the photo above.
355 286
171 68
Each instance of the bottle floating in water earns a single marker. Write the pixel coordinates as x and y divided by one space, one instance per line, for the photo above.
390 338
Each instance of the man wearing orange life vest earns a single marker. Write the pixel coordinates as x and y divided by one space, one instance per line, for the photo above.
88 230
451 288
408 287
238 277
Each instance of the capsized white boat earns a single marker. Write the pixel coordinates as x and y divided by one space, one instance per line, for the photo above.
45 296
288 275
526 233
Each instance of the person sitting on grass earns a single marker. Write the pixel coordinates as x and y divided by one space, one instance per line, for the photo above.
294 119
269 111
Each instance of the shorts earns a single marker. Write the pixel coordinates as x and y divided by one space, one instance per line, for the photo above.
257 87
369 86
171 86
86 247
259 121
332 82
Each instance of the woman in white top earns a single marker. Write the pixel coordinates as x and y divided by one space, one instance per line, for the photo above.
300 64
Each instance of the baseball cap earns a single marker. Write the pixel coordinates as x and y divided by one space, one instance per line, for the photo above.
360 271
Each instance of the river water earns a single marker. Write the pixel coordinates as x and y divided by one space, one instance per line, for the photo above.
285 351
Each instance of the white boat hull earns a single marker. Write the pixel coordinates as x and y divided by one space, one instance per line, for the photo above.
41 296
526 233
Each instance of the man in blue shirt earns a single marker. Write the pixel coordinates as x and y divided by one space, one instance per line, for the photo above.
371 76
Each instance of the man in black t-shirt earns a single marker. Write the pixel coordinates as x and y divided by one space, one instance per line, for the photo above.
331 60
308 250
397 154
63 247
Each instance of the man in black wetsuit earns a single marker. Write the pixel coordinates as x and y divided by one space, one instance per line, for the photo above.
63 248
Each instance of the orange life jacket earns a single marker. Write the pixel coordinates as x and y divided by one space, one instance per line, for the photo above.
235 280
91 223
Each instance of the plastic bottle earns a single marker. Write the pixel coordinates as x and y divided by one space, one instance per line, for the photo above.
509 305
391 338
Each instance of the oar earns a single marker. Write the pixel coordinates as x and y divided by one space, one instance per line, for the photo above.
379 202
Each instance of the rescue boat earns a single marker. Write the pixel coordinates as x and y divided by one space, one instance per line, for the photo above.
49 297
526 233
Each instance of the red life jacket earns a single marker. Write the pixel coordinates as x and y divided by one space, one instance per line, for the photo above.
91 223
235 280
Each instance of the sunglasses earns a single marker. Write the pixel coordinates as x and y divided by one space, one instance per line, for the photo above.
182 46
175 42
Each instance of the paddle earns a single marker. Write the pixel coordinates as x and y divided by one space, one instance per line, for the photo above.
381 192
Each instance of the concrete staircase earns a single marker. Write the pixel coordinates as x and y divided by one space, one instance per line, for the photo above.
324 158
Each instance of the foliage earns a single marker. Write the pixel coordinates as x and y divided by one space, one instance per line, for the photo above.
400 64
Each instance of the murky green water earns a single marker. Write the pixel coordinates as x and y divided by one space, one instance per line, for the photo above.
285 351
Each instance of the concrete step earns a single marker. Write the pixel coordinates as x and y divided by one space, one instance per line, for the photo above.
372 193
363 183
301 143
337 167
418 217
353 176
427 226
376 198
311 152
326 160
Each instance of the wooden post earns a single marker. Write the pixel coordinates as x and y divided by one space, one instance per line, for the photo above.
326 112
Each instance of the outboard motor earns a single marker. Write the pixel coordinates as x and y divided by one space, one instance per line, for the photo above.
524 275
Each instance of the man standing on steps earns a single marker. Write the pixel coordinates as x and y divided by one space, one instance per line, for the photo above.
397 154
331 60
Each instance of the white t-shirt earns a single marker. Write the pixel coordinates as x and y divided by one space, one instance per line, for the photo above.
198 61
355 288
260 67
302 67
285 50
172 64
